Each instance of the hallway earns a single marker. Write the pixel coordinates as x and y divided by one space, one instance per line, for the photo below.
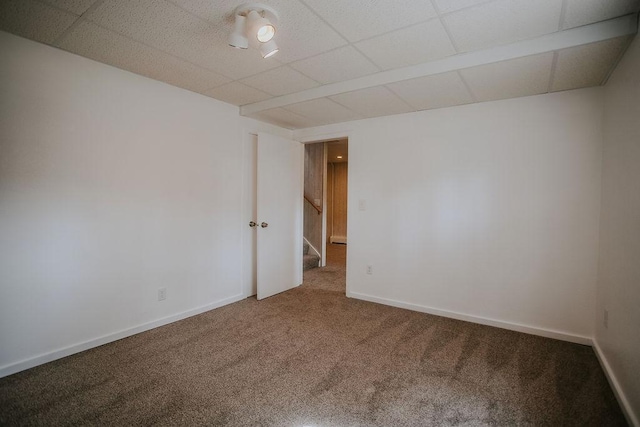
333 276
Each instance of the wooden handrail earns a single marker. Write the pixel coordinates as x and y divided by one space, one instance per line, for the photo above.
308 199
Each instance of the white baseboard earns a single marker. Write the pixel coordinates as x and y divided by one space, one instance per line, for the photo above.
632 418
548 333
86 345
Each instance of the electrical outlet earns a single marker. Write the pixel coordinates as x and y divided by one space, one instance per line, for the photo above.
369 269
362 205
605 319
162 294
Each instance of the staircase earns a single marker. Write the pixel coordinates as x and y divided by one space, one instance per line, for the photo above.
309 261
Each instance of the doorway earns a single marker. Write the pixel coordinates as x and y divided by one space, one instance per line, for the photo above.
337 195
325 212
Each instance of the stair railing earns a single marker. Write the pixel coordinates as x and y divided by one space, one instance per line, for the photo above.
308 199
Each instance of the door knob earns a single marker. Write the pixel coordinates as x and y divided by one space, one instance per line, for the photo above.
264 225
252 224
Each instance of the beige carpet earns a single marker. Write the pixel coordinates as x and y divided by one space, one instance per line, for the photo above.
312 357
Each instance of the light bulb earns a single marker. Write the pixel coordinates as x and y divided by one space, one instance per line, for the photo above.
265 33
270 54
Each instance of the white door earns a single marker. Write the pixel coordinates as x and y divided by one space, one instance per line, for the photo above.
279 232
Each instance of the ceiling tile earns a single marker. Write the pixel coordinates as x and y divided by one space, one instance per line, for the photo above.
582 12
77 7
169 28
92 41
219 12
280 81
409 46
587 65
360 20
33 20
283 118
440 90
373 102
157 23
447 6
502 22
322 111
345 63
510 79
237 93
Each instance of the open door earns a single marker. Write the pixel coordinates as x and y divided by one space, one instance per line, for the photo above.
279 208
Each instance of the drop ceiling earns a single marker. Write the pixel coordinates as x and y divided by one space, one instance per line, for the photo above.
344 60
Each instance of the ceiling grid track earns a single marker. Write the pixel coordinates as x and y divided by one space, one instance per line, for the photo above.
552 75
77 22
466 84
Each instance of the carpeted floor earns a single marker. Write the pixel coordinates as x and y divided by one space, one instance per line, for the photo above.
312 357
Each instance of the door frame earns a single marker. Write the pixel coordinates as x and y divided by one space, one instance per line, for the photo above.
248 264
323 138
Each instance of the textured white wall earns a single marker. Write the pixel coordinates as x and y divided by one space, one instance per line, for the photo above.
487 211
112 185
619 274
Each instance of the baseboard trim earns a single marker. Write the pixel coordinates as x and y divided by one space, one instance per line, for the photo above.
548 333
105 339
632 419
338 239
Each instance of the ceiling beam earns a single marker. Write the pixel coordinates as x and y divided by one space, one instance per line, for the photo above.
605 30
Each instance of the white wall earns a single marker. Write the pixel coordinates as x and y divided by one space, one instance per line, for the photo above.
619 273
486 212
112 185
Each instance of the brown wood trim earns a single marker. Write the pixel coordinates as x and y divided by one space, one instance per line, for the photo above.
308 199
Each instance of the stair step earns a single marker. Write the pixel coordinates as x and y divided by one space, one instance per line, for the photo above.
310 261
305 248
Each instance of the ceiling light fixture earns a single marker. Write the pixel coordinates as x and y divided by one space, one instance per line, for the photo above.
255 25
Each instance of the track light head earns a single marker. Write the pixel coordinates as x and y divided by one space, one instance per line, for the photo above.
268 49
238 38
260 26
